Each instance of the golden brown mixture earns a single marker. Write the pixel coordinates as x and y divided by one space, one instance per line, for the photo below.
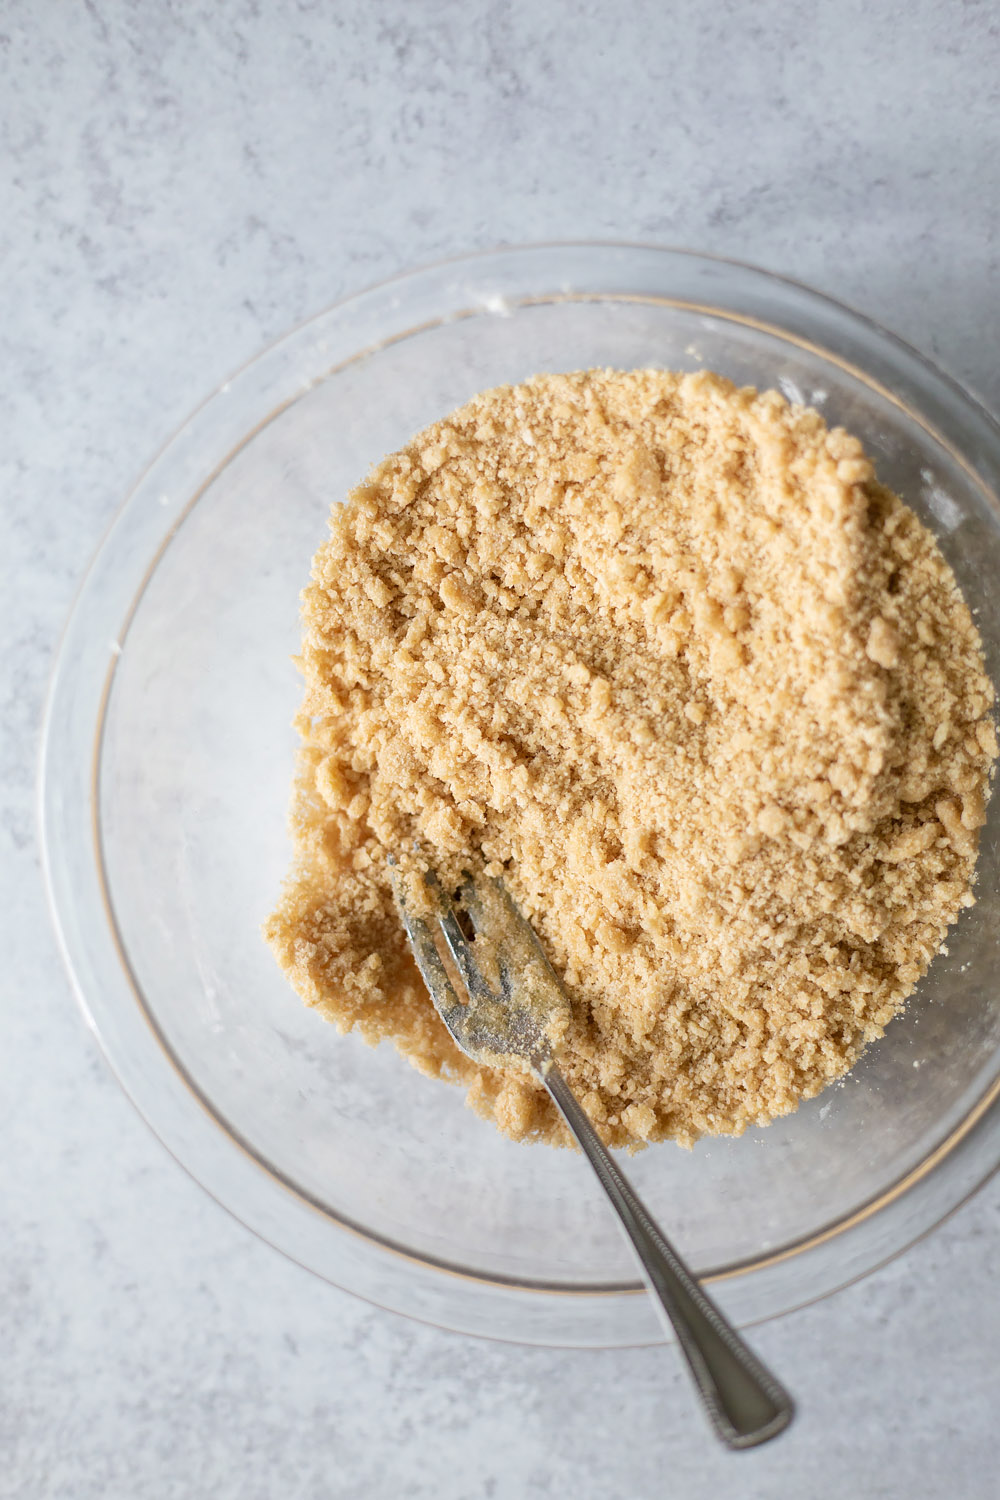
666 655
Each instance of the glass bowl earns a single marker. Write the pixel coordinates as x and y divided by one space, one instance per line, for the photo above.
166 774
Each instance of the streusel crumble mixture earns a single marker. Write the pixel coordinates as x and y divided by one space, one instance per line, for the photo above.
666 655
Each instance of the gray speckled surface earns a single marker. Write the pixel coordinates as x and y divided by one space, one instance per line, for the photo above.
179 184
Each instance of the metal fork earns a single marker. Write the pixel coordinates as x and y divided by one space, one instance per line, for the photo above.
512 1015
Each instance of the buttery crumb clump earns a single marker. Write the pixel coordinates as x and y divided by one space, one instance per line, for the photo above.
664 654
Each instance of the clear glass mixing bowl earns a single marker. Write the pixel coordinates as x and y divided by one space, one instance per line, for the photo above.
167 765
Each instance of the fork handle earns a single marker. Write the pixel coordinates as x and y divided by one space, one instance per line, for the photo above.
744 1402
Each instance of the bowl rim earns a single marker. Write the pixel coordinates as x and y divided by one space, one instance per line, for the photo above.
963 1131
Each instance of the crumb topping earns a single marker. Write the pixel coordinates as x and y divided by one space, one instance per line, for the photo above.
665 655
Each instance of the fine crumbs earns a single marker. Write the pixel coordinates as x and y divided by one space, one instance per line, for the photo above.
665 655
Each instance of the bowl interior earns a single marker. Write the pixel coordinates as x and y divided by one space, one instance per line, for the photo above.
193 780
